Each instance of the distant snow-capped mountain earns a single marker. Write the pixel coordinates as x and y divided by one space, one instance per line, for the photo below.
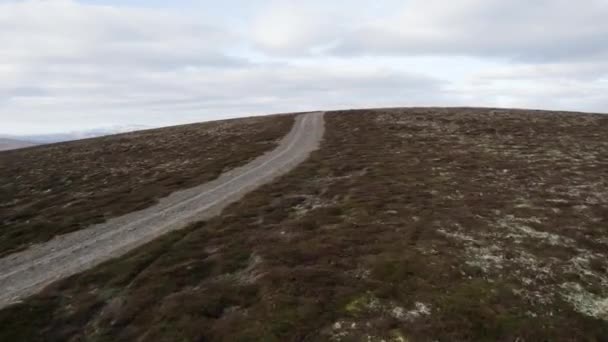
13 144
76 135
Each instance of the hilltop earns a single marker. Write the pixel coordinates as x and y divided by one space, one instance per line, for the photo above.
407 224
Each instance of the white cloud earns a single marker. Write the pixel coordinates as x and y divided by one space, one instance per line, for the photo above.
66 64
543 30
64 31
286 27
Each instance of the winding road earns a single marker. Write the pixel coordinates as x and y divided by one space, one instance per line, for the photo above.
25 273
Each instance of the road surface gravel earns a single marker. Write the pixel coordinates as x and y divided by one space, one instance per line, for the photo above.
27 272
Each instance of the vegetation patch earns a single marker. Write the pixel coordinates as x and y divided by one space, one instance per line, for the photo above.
59 188
407 225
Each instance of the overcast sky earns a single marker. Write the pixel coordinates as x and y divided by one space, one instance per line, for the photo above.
70 65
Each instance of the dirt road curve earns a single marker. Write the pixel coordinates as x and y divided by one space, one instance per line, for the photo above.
25 273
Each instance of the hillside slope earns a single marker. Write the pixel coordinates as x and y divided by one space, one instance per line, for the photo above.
27 272
408 224
59 188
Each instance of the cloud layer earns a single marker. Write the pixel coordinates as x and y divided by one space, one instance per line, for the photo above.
68 65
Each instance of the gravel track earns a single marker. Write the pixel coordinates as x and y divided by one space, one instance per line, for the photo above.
25 273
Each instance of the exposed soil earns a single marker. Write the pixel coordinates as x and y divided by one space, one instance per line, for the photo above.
408 224
55 189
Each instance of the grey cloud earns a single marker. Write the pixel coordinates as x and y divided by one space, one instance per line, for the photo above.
115 95
522 31
539 31
67 65
25 91
65 32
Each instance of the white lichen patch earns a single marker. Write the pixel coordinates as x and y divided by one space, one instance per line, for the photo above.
349 330
342 329
311 203
420 309
361 273
398 313
541 298
364 304
516 229
581 265
580 207
530 263
486 258
524 203
585 302
457 236
550 238
478 252
251 273
539 260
